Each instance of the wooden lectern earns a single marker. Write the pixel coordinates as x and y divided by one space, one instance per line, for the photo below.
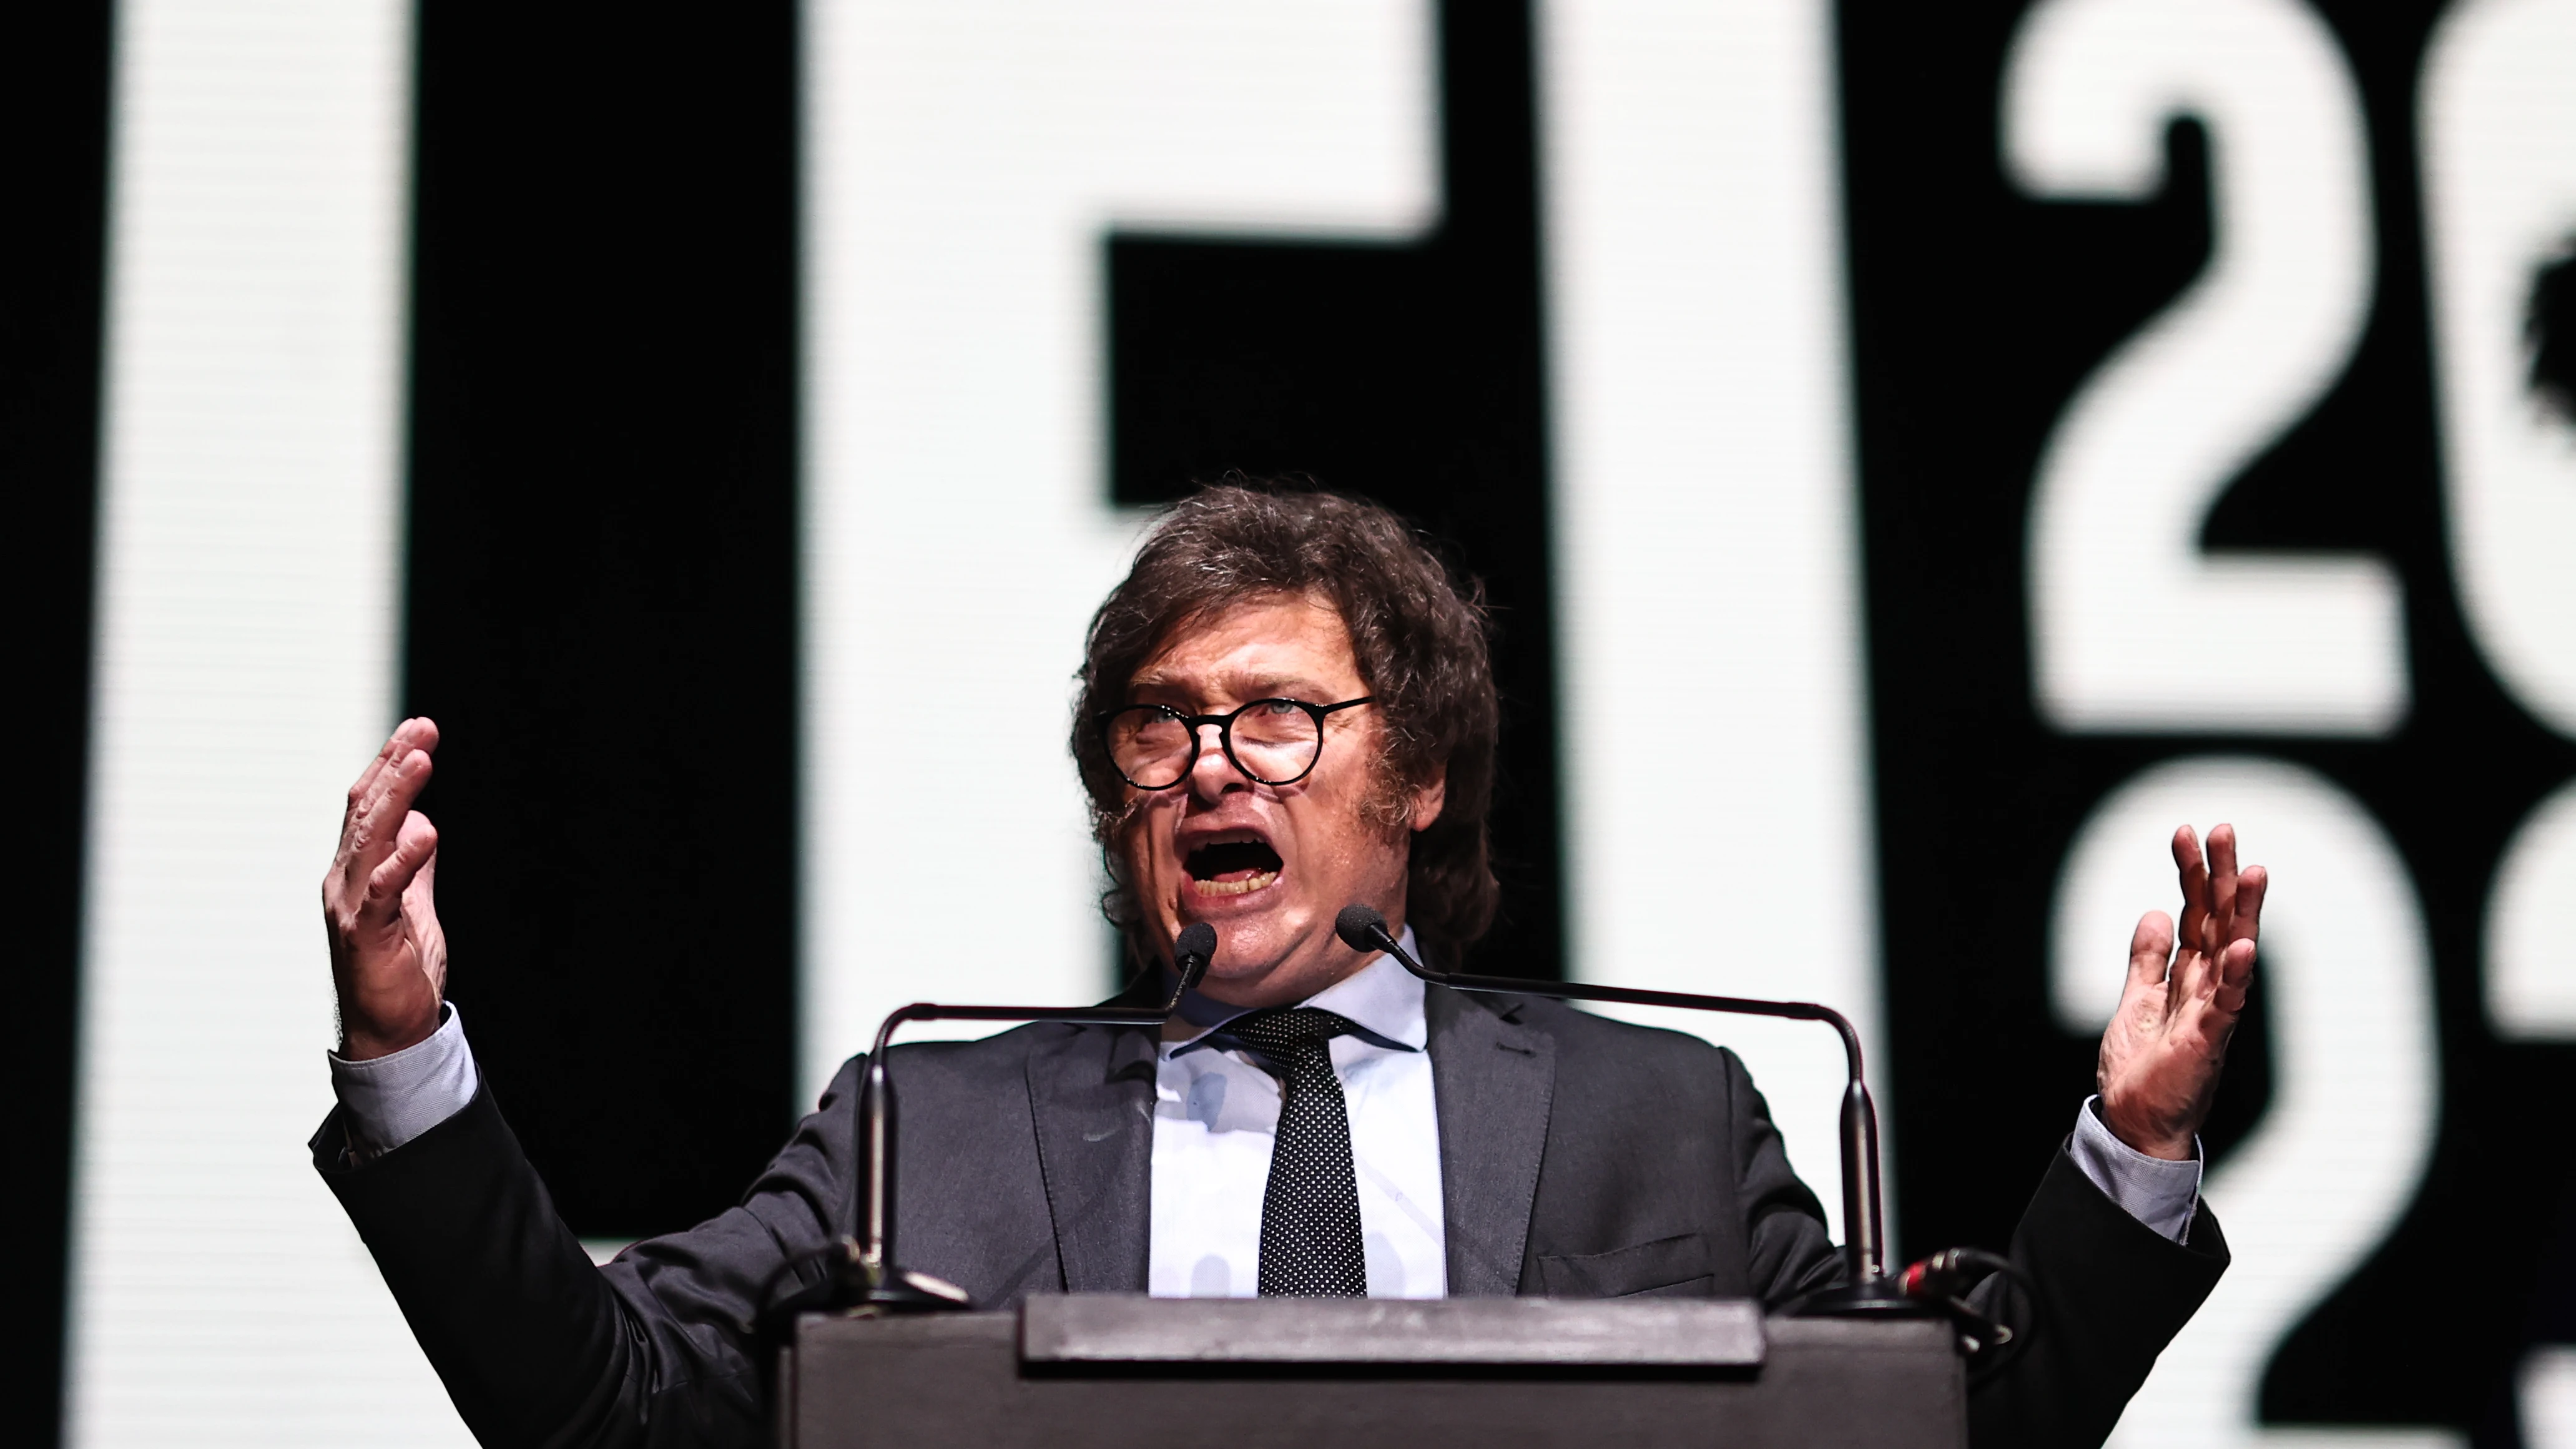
1117 1370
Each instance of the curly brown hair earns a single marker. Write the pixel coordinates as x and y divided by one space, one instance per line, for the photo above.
1422 637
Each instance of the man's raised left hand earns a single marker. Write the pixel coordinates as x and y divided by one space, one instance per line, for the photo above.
2161 1055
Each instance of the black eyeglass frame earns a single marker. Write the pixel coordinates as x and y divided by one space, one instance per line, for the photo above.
1224 736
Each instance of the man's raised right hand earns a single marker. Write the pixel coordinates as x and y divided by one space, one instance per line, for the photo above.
388 953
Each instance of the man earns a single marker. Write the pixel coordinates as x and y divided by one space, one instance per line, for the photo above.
1286 708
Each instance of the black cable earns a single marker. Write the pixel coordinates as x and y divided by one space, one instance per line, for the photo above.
1945 1279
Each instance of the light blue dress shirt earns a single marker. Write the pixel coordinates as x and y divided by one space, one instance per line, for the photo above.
1216 1114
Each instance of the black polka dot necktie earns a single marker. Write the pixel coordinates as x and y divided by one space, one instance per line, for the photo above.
1310 1214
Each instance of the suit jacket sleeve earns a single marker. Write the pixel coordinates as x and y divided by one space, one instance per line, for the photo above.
539 1347
1788 1252
2113 1292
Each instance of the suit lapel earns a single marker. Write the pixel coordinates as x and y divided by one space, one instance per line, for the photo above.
1493 1080
1091 1091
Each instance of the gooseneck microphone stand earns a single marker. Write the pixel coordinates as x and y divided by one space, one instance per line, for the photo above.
874 1282
1869 1289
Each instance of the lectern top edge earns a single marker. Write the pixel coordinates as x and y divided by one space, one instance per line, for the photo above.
1107 1329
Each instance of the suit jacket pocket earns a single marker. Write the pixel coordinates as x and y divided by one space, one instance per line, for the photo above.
1675 1266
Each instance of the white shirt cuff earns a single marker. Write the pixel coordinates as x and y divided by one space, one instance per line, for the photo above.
390 1100
2156 1191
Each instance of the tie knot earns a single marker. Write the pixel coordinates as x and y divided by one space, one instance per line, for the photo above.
1281 1032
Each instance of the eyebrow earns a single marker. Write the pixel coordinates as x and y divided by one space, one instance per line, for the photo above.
1242 686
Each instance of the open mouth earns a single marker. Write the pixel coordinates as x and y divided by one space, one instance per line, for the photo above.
1232 867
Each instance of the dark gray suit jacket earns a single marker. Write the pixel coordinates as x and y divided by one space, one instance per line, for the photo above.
1580 1157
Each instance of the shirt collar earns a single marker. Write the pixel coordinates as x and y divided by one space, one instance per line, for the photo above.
1381 998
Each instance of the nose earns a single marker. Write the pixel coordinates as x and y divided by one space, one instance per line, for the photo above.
1212 774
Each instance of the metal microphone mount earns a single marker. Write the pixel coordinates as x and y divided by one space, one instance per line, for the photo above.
870 1280
1869 1290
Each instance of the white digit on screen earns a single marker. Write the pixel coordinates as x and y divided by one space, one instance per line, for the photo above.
2531 926
967 160
1706 523
2132 627
2499 128
2545 1395
2347 976
2499 124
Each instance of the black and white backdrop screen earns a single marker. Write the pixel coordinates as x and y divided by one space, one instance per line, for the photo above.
1919 455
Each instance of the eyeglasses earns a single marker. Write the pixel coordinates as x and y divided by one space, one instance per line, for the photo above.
1272 741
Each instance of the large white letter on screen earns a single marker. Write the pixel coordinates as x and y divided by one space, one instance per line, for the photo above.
249 506
968 160
1707 526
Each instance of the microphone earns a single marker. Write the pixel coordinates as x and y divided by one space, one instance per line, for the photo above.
1192 953
866 1270
1870 1290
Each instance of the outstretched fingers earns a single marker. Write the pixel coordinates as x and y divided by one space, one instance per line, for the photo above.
417 733
415 846
420 920
2222 885
378 813
2191 930
2237 953
2247 923
2150 949
359 793
2235 979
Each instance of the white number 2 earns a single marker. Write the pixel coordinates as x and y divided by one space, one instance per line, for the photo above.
2344 1141
2132 628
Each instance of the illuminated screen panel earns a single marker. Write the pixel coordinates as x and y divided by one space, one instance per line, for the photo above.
1977 439
2207 439
1706 530
966 164
245 665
